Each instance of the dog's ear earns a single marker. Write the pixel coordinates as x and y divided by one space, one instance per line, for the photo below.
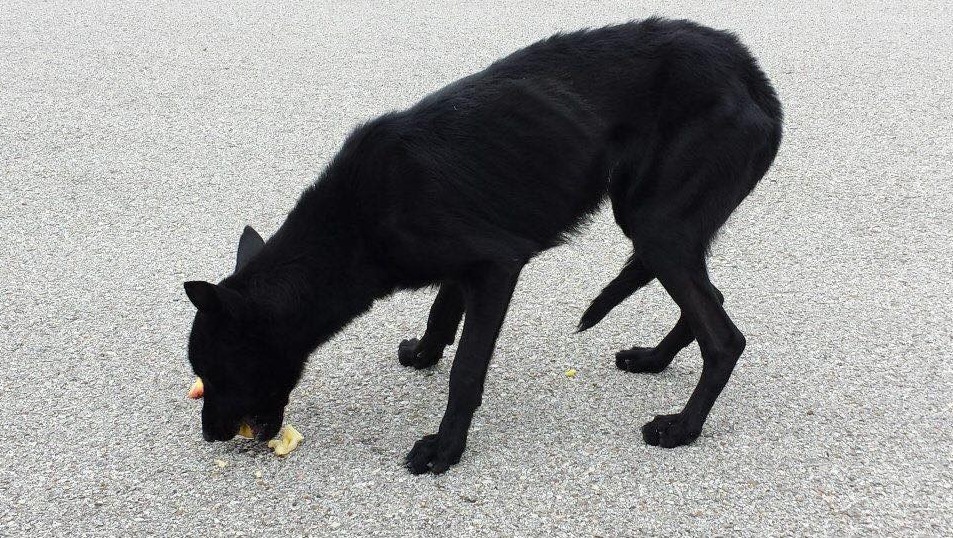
211 299
249 245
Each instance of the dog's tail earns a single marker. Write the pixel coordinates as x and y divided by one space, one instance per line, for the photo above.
633 276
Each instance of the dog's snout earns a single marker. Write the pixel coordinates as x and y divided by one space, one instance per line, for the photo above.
215 432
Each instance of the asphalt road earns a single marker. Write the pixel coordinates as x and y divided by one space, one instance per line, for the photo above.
136 141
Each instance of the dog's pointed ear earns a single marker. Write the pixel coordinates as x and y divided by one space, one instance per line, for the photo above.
203 295
249 245
209 298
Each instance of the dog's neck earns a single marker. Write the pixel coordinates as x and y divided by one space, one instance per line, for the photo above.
314 275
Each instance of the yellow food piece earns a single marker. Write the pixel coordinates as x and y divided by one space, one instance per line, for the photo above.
288 440
221 463
245 431
571 373
197 390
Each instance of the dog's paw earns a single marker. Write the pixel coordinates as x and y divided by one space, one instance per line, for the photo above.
407 351
670 431
431 455
416 353
641 360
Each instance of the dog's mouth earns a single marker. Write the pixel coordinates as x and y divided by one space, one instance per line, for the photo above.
252 427
261 431
246 430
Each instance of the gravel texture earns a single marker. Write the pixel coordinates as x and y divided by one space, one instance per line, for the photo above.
136 141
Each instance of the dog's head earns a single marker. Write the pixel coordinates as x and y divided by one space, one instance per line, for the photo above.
244 368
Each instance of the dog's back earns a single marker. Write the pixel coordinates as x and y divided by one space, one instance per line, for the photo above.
508 161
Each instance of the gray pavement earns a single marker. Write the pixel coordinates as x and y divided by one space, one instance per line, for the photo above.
136 141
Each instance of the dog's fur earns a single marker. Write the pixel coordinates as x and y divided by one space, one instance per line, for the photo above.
674 122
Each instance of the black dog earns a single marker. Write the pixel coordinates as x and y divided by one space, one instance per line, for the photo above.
674 122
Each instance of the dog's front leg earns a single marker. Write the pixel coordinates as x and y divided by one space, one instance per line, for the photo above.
487 293
442 325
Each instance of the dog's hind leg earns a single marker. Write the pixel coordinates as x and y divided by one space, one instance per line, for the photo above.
721 345
700 178
655 359
635 275
487 295
442 325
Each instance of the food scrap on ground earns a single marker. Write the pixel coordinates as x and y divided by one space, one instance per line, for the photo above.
221 463
288 440
571 373
197 390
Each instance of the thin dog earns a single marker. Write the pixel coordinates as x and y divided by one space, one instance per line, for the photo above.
673 122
